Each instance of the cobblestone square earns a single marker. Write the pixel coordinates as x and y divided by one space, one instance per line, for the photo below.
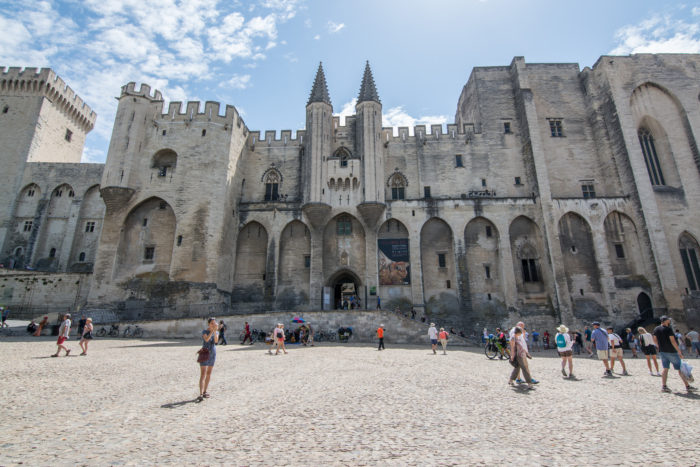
132 402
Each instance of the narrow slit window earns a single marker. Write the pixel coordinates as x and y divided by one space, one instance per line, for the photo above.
441 260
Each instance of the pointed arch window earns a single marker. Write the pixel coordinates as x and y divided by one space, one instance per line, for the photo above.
343 226
689 255
398 186
651 158
528 260
343 154
272 182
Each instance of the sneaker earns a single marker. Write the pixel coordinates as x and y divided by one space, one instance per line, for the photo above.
519 381
571 376
691 388
665 389
534 381
563 372
608 373
651 373
624 373
658 374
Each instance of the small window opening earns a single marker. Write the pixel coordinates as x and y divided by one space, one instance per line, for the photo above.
489 232
204 132
483 182
573 248
145 221
343 226
27 226
162 171
264 276
555 128
426 192
90 226
81 257
179 240
162 205
619 250
506 130
149 252
580 291
588 190
530 271
487 270
59 193
413 213
30 193
448 284
441 260
165 132
52 253
489 295
458 161
69 135
5 109
71 194
307 261
517 181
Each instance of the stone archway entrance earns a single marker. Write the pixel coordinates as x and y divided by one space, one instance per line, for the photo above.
646 311
344 287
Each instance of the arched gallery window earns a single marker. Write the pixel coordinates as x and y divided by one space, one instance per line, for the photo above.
343 154
528 259
651 158
689 255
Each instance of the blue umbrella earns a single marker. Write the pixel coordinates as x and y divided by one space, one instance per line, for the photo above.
298 319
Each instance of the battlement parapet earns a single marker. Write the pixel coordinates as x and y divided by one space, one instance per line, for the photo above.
129 89
271 140
31 80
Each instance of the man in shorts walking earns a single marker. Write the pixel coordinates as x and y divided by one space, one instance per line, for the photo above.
694 339
380 336
600 338
433 336
587 341
616 351
670 353
63 333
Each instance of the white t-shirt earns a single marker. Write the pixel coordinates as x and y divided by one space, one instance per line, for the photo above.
521 339
569 342
615 340
646 339
432 333
64 329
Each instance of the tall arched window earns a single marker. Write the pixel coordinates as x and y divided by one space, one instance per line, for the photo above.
689 255
344 226
344 155
651 158
398 186
272 181
528 260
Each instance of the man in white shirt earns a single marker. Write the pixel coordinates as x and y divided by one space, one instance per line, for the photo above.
63 333
616 351
694 339
433 336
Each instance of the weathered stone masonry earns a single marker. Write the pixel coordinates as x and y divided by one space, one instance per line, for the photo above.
558 194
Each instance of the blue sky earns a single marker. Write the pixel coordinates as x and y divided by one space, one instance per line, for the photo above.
261 56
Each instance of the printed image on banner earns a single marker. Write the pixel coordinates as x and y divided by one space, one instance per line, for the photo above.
394 264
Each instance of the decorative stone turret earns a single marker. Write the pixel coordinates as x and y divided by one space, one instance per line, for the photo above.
368 91
368 137
319 128
319 92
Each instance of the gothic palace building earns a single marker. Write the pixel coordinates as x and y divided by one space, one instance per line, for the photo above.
557 194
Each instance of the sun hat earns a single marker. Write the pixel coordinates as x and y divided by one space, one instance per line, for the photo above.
562 329
432 324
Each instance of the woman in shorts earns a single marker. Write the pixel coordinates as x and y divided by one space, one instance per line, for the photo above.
87 336
442 335
649 349
564 347
279 338
210 336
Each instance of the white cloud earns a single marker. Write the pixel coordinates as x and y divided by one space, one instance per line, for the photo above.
334 27
659 34
348 109
317 37
291 57
237 82
397 117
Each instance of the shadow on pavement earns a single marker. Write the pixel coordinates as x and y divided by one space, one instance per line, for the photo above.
174 405
687 395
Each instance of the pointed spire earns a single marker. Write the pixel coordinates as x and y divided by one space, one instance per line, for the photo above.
319 93
368 91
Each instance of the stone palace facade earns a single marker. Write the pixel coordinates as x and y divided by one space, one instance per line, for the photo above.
557 194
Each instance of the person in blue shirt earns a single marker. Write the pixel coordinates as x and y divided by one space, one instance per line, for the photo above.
601 341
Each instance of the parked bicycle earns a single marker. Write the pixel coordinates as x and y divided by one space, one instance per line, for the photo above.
136 332
113 332
493 348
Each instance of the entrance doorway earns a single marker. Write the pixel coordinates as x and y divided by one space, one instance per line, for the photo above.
646 311
346 291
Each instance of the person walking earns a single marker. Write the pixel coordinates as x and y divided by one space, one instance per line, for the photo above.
602 343
564 346
670 353
523 341
279 339
311 334
222 332
63 334
379 303
518 356
535 340
42 323
443 335
616 351
694 339
380 336
433 336
210 336
680 340
247 335
649 349
5 314
588 342
631 342
86 336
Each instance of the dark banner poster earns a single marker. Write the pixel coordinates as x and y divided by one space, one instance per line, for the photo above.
394 262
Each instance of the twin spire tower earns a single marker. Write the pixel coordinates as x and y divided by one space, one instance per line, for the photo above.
357 153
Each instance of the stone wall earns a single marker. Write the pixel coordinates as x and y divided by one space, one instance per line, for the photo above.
32 294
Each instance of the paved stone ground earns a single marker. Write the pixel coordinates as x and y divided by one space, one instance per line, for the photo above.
131 402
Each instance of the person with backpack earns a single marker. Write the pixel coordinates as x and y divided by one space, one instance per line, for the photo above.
616 351
649 349
564 346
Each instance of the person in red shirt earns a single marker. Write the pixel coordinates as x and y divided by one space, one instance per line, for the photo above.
443 340
380 335
247 334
